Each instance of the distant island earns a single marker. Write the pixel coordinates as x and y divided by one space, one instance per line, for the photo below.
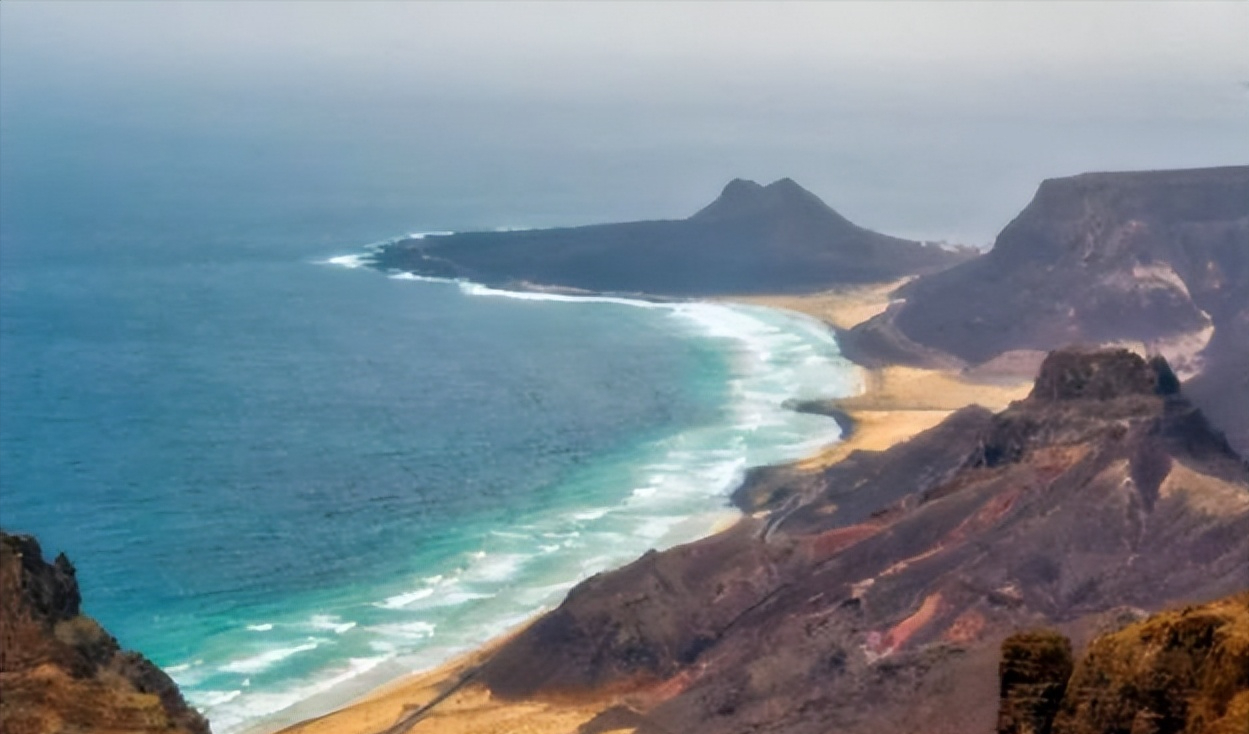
778 238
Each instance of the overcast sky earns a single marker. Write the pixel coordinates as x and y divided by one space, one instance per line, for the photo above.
568 48
928 117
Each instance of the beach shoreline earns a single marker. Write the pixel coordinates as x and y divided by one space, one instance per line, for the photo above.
894 404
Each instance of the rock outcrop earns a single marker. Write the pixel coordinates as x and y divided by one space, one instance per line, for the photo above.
1159 259
60 671
1033 675
1178 672
874 595
752 239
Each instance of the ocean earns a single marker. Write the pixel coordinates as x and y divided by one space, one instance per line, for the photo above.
287 478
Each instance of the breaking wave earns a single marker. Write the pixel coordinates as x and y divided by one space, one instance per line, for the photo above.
660 492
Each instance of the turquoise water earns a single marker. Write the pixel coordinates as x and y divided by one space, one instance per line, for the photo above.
286 478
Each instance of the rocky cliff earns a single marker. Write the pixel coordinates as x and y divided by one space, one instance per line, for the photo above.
752 239
60 671
1159 259
873 595
1179 672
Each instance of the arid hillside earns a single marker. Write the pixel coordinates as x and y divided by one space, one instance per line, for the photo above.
1155 259
875 594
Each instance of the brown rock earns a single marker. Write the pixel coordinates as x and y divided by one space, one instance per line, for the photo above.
1182 672
60 671
1074 374
1034 671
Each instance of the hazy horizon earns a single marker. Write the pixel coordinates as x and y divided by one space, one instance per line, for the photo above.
292 470
922 120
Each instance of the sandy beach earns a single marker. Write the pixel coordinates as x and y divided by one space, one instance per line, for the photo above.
446 700
895 404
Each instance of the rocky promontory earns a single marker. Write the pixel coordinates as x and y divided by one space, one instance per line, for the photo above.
752 239
60 671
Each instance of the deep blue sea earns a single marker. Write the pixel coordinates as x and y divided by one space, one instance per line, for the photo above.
286 478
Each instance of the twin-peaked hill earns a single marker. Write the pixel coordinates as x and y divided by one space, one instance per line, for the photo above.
752 239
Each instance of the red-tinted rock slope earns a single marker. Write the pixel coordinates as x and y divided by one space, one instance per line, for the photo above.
874 596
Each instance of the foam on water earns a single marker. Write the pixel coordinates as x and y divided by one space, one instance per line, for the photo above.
239 710
365 257
591 514
417 629
218 698
667 490
331 623
347 261
422 278
491 569
476 289
265 660
402 600
456 598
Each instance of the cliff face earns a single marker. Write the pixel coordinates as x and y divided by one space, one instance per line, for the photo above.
752 239
875 594
60 671
1158 258
1179 672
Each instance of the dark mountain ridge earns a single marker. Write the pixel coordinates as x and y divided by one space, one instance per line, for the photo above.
874 595
752 239
1156 258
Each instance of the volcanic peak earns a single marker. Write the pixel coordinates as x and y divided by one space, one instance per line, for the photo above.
743 198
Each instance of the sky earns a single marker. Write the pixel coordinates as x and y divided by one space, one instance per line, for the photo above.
932 120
